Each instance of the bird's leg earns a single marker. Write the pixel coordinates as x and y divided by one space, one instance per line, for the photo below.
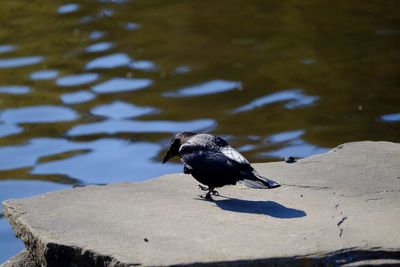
203 187
214 192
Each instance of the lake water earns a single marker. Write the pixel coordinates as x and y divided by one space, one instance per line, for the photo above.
92 91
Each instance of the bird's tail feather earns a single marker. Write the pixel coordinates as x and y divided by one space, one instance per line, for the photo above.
256 180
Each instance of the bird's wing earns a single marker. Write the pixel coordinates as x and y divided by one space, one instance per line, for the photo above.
211 159
234 155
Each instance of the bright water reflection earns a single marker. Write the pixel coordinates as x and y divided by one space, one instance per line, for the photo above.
91 91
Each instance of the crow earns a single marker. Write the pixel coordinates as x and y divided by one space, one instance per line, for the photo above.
214 163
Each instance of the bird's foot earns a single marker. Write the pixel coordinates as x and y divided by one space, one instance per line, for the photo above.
203 188
206 196
214 193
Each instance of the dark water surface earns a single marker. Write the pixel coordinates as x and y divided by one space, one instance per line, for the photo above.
91 91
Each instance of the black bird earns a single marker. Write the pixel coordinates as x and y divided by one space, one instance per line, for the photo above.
214 163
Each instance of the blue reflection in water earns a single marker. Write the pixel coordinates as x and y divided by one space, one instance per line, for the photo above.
183 69
99 47
10 245
44 75
27 155
38 114
109 62
77 97
15 89
94 35
296 98
116 85
285 136
129 126
292 145
211 87
130 26
395 117
143 65
121 110
79 79
9 129
299 149
109 160
68 8
20 62
6 49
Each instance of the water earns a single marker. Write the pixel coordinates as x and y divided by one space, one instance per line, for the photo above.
91 91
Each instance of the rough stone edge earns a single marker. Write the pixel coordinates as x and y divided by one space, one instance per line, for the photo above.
47 253
22 259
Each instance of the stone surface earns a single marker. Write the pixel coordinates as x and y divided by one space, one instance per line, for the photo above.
342 207
22 259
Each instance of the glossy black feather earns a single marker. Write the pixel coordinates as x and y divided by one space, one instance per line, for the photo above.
211 161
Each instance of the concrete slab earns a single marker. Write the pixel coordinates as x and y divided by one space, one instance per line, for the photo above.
342 207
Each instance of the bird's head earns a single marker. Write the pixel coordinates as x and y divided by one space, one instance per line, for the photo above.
176 142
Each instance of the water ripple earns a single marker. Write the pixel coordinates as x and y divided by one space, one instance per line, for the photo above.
211 87
99 47
68 8
109 62
298 149
15 89
9 129
44 74
94 35
115 85
295 98
395 117
79 79
38 114
108 161
146 65
285 136
77 97
20 62
130 26
121 110
7 48
129 126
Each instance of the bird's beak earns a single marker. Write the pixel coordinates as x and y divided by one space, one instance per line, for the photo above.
167 156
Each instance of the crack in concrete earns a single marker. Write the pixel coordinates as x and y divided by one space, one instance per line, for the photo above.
342 220
309 186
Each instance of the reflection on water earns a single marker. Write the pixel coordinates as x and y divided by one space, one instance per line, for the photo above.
99 47
79 79
129 126
211 87
391 117
44 75
14 89
68 8
109 62
121 110
91 91
116 85
77 97
38 114
294 98
19 62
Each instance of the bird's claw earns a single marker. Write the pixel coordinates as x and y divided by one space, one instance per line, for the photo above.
214 193
206 196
